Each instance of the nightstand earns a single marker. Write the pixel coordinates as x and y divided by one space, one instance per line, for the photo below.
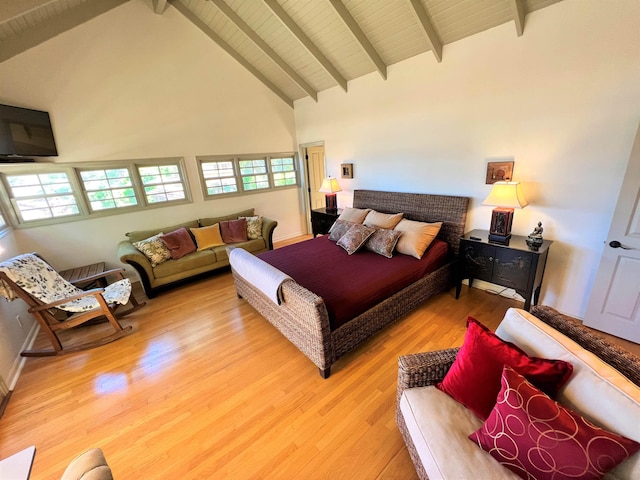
513 266
321 220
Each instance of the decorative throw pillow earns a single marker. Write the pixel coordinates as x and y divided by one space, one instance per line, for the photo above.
338 229
383 242
537 438
354 215
179 243
355 238
153 248
207 237
474 377
234 231
254 227
382 220
416 236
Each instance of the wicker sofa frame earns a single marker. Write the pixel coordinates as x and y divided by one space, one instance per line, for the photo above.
428 368
302 317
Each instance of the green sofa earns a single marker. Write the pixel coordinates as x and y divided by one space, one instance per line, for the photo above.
194 265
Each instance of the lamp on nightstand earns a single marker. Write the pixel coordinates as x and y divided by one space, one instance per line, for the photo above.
506 196
329 188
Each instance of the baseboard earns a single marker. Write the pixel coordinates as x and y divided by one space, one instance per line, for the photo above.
18 363
5 402
495 289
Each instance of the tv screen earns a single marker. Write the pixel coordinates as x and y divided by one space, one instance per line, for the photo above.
25 132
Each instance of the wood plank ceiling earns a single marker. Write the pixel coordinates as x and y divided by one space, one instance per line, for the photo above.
297 48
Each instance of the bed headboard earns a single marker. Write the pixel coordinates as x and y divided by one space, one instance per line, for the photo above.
423 207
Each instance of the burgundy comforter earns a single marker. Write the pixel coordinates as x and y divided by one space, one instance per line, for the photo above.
352 284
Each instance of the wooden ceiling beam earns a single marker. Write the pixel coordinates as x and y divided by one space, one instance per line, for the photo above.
184 10
430 33
517 7
306 42
262 45
360 37
159 6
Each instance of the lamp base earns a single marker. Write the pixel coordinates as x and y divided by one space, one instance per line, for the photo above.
331 202
501 239
501 220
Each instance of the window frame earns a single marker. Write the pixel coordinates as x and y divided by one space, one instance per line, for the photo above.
238 176
73 172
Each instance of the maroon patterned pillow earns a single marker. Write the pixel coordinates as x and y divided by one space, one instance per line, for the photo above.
338 229
537 438
383 242
355 238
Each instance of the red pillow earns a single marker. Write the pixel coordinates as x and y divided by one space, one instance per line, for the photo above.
234 231
474 377
179 243
538 438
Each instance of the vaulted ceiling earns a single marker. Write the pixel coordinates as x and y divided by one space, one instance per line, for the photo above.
297 48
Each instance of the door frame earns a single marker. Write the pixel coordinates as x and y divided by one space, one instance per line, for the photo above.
304 179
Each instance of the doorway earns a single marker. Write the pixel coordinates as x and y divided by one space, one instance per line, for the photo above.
314 172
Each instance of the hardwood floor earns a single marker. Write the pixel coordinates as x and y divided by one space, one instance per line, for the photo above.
206 388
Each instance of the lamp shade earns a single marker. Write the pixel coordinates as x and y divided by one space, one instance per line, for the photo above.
506 194
330 185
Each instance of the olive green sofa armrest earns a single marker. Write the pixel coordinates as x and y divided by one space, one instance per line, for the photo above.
268 226
134 257
424 369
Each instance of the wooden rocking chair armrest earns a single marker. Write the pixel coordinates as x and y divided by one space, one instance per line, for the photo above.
95 292
119 272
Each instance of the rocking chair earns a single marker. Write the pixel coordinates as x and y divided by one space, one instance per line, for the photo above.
47 294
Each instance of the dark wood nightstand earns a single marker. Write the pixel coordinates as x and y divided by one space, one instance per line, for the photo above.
513 266
321 220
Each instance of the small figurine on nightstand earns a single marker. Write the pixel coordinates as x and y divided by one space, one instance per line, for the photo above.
534 240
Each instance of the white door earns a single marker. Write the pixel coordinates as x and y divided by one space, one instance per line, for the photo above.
614 306
315 167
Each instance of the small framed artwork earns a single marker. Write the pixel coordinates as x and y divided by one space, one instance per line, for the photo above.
499 172
347 170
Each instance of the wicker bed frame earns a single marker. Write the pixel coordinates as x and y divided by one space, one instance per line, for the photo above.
428 368
302 316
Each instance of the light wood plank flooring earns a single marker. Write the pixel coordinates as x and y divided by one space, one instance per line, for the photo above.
206 388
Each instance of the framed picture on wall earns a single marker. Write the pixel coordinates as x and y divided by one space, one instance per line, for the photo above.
347 170
499 172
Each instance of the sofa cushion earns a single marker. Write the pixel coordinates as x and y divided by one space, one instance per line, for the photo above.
194 261
154 249
179 243
208 237
595 390
205 222
138 235
443 446
474 377
253 246
537 437
234 231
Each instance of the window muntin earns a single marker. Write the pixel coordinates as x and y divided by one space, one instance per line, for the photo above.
162 183
219 177
254 174
42 196
283 172
108 188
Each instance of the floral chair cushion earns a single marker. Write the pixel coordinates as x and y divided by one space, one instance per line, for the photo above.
37 278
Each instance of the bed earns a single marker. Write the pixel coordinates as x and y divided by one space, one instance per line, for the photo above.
302 316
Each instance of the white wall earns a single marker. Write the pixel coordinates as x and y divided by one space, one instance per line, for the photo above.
132 84
563 100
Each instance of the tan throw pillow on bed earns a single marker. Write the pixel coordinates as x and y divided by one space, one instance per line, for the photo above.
382 220
416 236
354 215
355 238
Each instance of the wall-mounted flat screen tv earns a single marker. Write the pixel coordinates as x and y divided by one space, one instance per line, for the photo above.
25 132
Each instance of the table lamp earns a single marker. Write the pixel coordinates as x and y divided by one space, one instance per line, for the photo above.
505 196
329 188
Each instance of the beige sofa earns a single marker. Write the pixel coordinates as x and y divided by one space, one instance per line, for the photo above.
435 427
194 265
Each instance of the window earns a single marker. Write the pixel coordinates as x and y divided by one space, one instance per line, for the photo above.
245 174
108 188
162 183
42 196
